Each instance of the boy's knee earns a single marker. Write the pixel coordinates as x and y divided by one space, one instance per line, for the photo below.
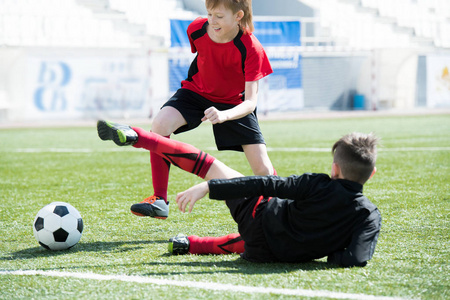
263 170
161 127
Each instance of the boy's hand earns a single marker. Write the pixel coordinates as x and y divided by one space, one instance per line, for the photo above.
191 196
215 116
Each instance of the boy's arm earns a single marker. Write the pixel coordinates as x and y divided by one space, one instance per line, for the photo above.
216 116
224 189
292 187
362 245
191 195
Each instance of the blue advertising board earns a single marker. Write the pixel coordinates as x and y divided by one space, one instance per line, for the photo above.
278 33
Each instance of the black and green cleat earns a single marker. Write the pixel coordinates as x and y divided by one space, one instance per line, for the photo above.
179 244
122 135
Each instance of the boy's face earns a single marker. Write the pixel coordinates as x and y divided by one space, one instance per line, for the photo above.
223 24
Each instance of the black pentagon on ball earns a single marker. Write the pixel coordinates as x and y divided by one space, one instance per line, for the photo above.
61 211
80 225
39 224
60 235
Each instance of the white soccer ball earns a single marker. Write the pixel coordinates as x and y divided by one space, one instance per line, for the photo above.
58 226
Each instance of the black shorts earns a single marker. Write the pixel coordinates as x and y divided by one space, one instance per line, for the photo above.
247 214
230 135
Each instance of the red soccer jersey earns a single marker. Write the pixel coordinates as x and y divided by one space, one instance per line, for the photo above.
220 70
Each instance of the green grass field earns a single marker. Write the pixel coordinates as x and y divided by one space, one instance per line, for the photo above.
41 165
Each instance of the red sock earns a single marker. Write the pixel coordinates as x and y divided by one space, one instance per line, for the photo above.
160 175
275 172
182 155
232 243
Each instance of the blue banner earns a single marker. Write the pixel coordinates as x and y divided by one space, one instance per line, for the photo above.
278 33
178 33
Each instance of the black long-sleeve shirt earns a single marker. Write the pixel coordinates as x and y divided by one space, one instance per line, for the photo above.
310 216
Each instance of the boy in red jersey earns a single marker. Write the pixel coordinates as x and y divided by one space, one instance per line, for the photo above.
221 88
280 219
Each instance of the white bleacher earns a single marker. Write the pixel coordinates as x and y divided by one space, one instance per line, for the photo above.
428 19
47 23
88 23
350 24
375 24
153 14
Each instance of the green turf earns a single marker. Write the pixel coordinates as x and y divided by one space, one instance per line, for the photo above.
411 189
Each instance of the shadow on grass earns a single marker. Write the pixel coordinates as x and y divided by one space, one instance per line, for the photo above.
239 265
113 247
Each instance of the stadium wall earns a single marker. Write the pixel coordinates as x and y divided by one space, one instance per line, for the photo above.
73 84
396 80
331 82
134 84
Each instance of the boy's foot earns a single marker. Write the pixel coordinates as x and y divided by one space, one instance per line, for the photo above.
122 135
153 206
179 244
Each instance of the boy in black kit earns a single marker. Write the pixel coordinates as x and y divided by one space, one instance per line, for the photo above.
280 219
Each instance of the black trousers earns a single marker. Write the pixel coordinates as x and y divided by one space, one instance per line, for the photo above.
248 214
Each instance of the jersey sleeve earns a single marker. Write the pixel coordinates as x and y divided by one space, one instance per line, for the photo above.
194 26
193 48
362 245
292 187
257 64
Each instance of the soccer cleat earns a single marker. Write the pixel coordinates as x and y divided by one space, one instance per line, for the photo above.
153 206
122 135
179 244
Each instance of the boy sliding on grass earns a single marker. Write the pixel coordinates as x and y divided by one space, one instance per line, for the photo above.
280 219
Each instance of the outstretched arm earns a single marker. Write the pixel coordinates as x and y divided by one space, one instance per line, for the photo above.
226 187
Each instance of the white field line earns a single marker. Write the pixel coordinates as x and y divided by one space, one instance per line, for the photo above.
270 149
199 285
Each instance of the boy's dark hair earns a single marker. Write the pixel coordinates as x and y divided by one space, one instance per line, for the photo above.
356 154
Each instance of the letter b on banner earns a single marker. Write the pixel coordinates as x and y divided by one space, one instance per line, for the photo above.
50 96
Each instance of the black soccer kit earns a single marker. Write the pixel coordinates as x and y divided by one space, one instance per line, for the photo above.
309 217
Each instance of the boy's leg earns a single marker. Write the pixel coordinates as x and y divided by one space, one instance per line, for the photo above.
160 179
231 243
123 135
182 155
158 201
165 123
258 159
